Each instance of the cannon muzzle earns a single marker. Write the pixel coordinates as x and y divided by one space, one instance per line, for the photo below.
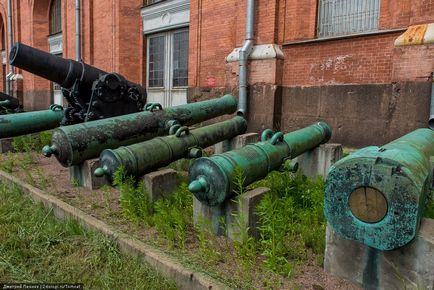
139 159
74 144
211 178
377 195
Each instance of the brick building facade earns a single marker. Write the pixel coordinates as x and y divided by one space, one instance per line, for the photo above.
311 59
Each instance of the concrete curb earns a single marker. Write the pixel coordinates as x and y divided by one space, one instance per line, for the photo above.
183 277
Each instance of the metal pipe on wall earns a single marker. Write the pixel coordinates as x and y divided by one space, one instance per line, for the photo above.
244 55
431 114
10 41
77 30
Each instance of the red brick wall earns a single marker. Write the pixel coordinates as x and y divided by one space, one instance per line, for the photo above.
364 60
216 29
111 39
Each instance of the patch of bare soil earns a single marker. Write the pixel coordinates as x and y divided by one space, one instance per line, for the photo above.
218 258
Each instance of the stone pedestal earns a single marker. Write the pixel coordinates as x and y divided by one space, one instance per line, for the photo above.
159 183
82 175
232 217
410 267
6 145
236 143
318 161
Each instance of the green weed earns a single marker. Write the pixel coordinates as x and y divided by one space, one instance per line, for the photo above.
429 211
37 248
9 163
31 142
173 216
292 221
133 199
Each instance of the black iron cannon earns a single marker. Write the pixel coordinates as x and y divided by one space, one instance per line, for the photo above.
91 93
9 103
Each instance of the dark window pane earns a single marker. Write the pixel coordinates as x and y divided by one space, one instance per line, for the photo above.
180 59
56 17
156 61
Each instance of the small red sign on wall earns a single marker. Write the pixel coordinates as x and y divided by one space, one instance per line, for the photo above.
211 81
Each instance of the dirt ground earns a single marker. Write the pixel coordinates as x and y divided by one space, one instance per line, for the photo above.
48 175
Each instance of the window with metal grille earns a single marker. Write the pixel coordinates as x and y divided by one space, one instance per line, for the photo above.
149 2
56 17
343 17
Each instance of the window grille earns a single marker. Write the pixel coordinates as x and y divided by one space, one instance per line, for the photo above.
343 17
149 2
56 17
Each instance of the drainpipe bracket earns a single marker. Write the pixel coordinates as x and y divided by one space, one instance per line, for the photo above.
258 52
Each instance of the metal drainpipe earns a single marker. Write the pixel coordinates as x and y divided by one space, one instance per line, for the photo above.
11 68
244 56
431 115
77 30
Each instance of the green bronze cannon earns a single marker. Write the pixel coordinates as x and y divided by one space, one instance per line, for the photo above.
74 144
12 125
211 179
141 158
377 195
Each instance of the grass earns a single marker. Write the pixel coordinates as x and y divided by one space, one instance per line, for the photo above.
292 227
36 248
292 221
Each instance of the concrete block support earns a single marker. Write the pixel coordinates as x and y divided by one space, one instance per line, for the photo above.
410 267
318 161
236 143
159 183
232 217
6 145
82 175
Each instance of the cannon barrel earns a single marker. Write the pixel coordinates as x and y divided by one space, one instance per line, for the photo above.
211 179
9 102
91 93
377 195
63 71
141 158
12 125
74 144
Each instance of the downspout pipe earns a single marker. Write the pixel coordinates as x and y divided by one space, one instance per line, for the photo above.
244 56
431 114
10 40
77 30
